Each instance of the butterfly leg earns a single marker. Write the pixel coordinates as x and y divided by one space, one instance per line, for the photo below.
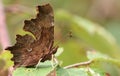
54 60
36 66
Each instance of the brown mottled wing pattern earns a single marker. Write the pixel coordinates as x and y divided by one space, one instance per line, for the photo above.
29 50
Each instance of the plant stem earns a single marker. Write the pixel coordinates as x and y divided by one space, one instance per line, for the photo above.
79 64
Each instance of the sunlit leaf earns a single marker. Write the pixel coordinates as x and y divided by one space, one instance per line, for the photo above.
5 58
73 53
95 72
59 51
91 33
94 55
100 71
71 72
42 69
99 57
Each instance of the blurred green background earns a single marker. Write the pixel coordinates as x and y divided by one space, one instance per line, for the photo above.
94 24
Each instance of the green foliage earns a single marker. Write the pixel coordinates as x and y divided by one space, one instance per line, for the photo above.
91 33
5 60
90 36
32 71
42 69
80 72
98 57
104 39
103 62
71 72
46 68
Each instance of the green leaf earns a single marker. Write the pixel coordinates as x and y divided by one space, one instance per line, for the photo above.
91 33
5 59
59 52
71 72
93 55
99 57
32 71
100 71
73 53
95 72
42 69
114 28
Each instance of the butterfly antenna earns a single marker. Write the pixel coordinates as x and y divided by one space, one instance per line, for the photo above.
38 63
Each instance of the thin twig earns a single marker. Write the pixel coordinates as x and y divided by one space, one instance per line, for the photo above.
79 64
